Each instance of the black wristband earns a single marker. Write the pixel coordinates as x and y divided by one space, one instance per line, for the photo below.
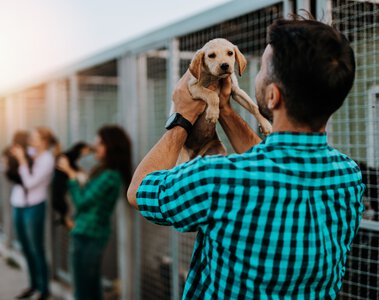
176 119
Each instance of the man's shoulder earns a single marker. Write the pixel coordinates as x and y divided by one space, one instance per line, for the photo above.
209 168
344 158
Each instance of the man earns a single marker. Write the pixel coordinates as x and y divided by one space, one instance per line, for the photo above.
277 220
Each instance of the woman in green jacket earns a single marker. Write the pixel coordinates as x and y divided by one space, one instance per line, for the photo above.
94 204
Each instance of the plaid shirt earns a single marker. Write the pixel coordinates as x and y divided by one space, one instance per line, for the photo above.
274 222
94 203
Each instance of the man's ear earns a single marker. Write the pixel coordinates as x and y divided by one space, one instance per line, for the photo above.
196 64
275 96
241 60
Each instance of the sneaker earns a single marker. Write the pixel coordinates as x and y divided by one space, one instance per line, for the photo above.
41 296
26 293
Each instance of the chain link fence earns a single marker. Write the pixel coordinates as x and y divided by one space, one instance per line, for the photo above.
355 130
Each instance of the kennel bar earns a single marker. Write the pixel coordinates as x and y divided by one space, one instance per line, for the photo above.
127 218
73 108
173 73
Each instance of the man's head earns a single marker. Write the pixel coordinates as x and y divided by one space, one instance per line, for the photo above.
307 68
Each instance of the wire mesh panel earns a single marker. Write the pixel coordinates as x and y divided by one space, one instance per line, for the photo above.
156 259
59 119
97 100
97 106
157 97
34 107
248 32
355 131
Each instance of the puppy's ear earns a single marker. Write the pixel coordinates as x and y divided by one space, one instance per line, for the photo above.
241 60
196 64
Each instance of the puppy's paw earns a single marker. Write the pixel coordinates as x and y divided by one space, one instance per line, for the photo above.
265 127
212 115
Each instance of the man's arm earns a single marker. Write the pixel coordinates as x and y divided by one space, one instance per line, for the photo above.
165 153
162 156
239 133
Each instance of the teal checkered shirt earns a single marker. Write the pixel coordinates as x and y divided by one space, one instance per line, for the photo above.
275 222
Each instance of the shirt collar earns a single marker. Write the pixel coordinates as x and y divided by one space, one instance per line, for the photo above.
298 140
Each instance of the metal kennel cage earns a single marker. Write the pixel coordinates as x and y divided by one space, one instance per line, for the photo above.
131 85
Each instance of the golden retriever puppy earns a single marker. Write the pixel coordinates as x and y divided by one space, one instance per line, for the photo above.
213 62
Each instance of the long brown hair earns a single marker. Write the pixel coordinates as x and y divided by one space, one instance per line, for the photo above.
117 153
50 139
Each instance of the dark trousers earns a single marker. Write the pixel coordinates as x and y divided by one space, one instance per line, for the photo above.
86 255
29 223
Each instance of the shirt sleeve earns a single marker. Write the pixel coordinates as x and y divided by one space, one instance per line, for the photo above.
179 197
42 170
94 190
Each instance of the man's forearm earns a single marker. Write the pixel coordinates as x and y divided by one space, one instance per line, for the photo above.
239 133
162 156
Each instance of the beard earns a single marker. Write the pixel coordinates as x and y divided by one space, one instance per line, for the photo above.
262 105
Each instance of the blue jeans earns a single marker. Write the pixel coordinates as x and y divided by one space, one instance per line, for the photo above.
86 254
29 223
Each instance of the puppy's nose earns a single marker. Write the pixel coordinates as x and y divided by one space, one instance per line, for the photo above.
224 66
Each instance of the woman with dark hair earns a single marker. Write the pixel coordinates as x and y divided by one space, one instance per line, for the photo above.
94 204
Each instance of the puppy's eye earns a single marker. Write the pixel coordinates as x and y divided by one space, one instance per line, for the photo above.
230 53
212 55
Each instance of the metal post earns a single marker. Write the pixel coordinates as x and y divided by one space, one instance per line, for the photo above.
62 110
74 108
303 4
253 71
324 14
287 8
10 119
324 11
21 110
51 95
173 67
173 64
142 94
128 240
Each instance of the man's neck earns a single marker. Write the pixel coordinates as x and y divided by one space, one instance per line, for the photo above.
282 123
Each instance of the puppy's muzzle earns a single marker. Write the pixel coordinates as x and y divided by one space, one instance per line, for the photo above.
224 67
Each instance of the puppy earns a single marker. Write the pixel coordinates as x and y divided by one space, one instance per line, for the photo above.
20 139
212 63
59 184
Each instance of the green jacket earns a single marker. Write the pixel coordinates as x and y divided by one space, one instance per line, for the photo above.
95 203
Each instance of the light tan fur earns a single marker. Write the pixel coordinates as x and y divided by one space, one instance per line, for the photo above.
215 61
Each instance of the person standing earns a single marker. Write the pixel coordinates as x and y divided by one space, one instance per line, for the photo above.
94 204
277 219
29 207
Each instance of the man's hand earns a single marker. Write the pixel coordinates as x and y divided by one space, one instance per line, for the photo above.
183 101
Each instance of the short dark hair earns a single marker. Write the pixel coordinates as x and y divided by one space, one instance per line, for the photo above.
313 66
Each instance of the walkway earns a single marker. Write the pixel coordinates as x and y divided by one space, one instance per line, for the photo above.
12 280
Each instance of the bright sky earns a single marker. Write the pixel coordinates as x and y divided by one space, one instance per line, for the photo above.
40 36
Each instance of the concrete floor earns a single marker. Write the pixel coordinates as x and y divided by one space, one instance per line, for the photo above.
12 280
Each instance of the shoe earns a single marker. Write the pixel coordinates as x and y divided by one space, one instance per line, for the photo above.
41 296
25 294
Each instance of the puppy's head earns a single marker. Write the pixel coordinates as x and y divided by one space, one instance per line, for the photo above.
217 58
